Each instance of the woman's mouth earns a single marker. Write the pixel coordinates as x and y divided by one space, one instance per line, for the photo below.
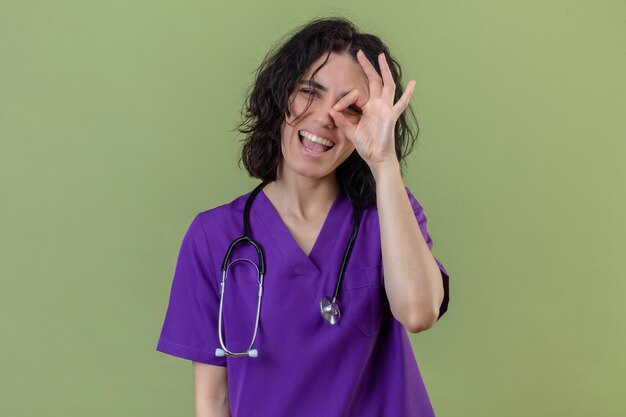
313 143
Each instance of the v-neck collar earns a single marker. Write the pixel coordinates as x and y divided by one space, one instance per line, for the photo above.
327 246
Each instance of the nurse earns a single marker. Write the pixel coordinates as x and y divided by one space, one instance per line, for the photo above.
326 129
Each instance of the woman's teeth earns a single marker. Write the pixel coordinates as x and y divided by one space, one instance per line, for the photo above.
314 143
315 138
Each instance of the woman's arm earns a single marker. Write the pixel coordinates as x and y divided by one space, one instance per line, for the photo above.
211 390
413 281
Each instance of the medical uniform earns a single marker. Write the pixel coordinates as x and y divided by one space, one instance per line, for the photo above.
363 366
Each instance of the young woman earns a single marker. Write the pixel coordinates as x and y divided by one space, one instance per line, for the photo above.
308 314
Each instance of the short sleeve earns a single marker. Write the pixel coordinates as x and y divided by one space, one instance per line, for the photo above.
190 327
422 221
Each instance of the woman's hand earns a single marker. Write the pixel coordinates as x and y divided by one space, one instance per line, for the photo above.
373 136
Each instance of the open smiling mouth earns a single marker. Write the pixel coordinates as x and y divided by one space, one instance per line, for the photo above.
314 144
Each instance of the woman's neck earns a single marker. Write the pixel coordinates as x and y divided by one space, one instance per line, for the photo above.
302 198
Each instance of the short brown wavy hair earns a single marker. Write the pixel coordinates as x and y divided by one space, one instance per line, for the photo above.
282 69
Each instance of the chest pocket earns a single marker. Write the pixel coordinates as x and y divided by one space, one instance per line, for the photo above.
366 299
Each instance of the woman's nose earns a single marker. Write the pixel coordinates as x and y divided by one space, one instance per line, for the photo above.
321 114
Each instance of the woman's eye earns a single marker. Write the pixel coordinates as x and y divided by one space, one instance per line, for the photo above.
354 109
309 92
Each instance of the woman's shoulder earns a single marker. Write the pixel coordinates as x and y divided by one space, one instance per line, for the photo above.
217 222
225 211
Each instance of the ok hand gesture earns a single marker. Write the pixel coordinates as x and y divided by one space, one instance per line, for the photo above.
373 136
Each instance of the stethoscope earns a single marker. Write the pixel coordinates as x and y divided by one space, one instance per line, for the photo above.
328 306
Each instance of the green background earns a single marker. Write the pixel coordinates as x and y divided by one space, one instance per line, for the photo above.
116 126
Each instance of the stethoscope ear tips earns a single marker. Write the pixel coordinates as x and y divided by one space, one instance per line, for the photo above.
253 353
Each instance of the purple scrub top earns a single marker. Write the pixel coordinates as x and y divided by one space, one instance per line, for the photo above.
363 366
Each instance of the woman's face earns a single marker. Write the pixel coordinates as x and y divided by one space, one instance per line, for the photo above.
313 146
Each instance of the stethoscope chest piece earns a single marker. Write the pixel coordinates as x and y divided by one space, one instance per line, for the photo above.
330 310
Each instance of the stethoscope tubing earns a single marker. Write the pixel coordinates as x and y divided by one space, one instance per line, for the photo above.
331 305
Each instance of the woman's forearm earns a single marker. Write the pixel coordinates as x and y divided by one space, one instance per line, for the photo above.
412 276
